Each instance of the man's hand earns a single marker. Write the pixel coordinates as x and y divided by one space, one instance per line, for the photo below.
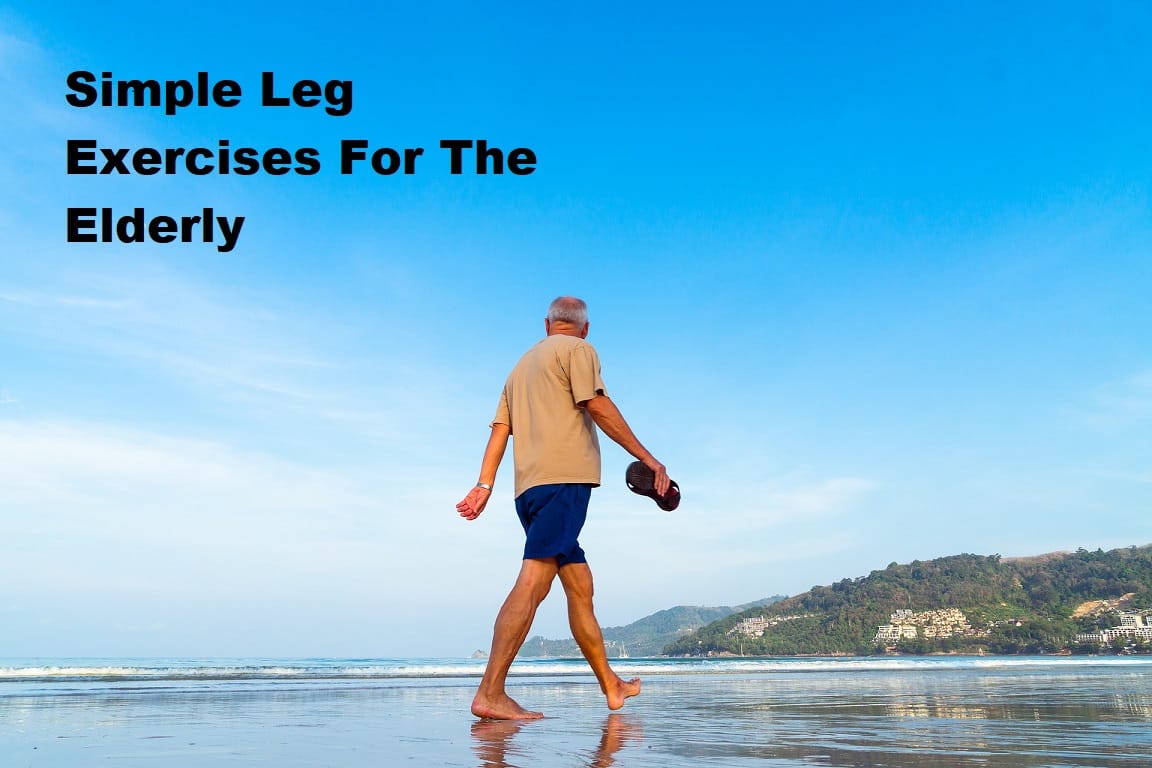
661 481
473 504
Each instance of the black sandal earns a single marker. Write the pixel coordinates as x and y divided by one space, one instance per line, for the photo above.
642 480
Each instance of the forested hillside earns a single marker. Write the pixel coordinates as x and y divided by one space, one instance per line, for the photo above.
1023 605
647 636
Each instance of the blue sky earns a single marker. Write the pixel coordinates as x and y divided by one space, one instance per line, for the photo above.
873 283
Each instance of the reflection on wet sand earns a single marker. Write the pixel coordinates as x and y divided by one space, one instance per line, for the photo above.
938 721
494 743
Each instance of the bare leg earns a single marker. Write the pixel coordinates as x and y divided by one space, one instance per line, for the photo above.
618 730
577 581
512 625
491 740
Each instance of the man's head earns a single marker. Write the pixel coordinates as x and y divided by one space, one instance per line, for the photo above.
567 315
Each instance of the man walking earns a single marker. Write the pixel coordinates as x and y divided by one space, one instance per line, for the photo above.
551 405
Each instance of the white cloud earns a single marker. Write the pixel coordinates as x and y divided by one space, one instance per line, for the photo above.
103 523
42 300
723 535
1121 403
165 322
750 504
90 504
1141 477
251 352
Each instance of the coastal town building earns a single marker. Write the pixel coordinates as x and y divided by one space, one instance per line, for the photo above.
1133 626
888 634
931 625
756 626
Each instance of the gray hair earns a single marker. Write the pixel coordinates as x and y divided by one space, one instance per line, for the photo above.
568 309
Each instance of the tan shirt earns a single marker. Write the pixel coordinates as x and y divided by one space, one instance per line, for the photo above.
553 439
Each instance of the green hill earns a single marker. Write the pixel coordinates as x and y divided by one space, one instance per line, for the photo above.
646 637
1023 605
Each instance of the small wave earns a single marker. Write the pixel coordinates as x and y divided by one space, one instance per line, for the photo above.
210 671
44 671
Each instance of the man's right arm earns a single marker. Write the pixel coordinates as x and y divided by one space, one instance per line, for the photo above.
473 504
608 417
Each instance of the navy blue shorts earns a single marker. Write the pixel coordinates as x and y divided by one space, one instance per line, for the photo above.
552 516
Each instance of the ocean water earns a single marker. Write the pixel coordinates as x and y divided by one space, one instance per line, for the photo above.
884 711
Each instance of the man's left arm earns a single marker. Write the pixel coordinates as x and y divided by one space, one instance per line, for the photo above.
608 417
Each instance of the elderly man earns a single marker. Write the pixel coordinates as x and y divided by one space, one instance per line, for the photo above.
551 404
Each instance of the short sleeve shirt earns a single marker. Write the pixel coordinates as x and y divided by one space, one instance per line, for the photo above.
553 439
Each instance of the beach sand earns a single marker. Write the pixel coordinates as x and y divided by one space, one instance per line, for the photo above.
950 719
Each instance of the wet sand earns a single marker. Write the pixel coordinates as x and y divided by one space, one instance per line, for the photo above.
953 719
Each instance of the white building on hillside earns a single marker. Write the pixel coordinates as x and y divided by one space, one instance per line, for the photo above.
887 634
1133 626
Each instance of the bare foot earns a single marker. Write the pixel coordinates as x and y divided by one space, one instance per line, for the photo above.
501 708
620 690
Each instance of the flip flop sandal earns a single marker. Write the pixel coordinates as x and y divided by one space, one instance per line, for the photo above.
642 480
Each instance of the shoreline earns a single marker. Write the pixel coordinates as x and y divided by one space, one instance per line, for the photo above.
924 714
